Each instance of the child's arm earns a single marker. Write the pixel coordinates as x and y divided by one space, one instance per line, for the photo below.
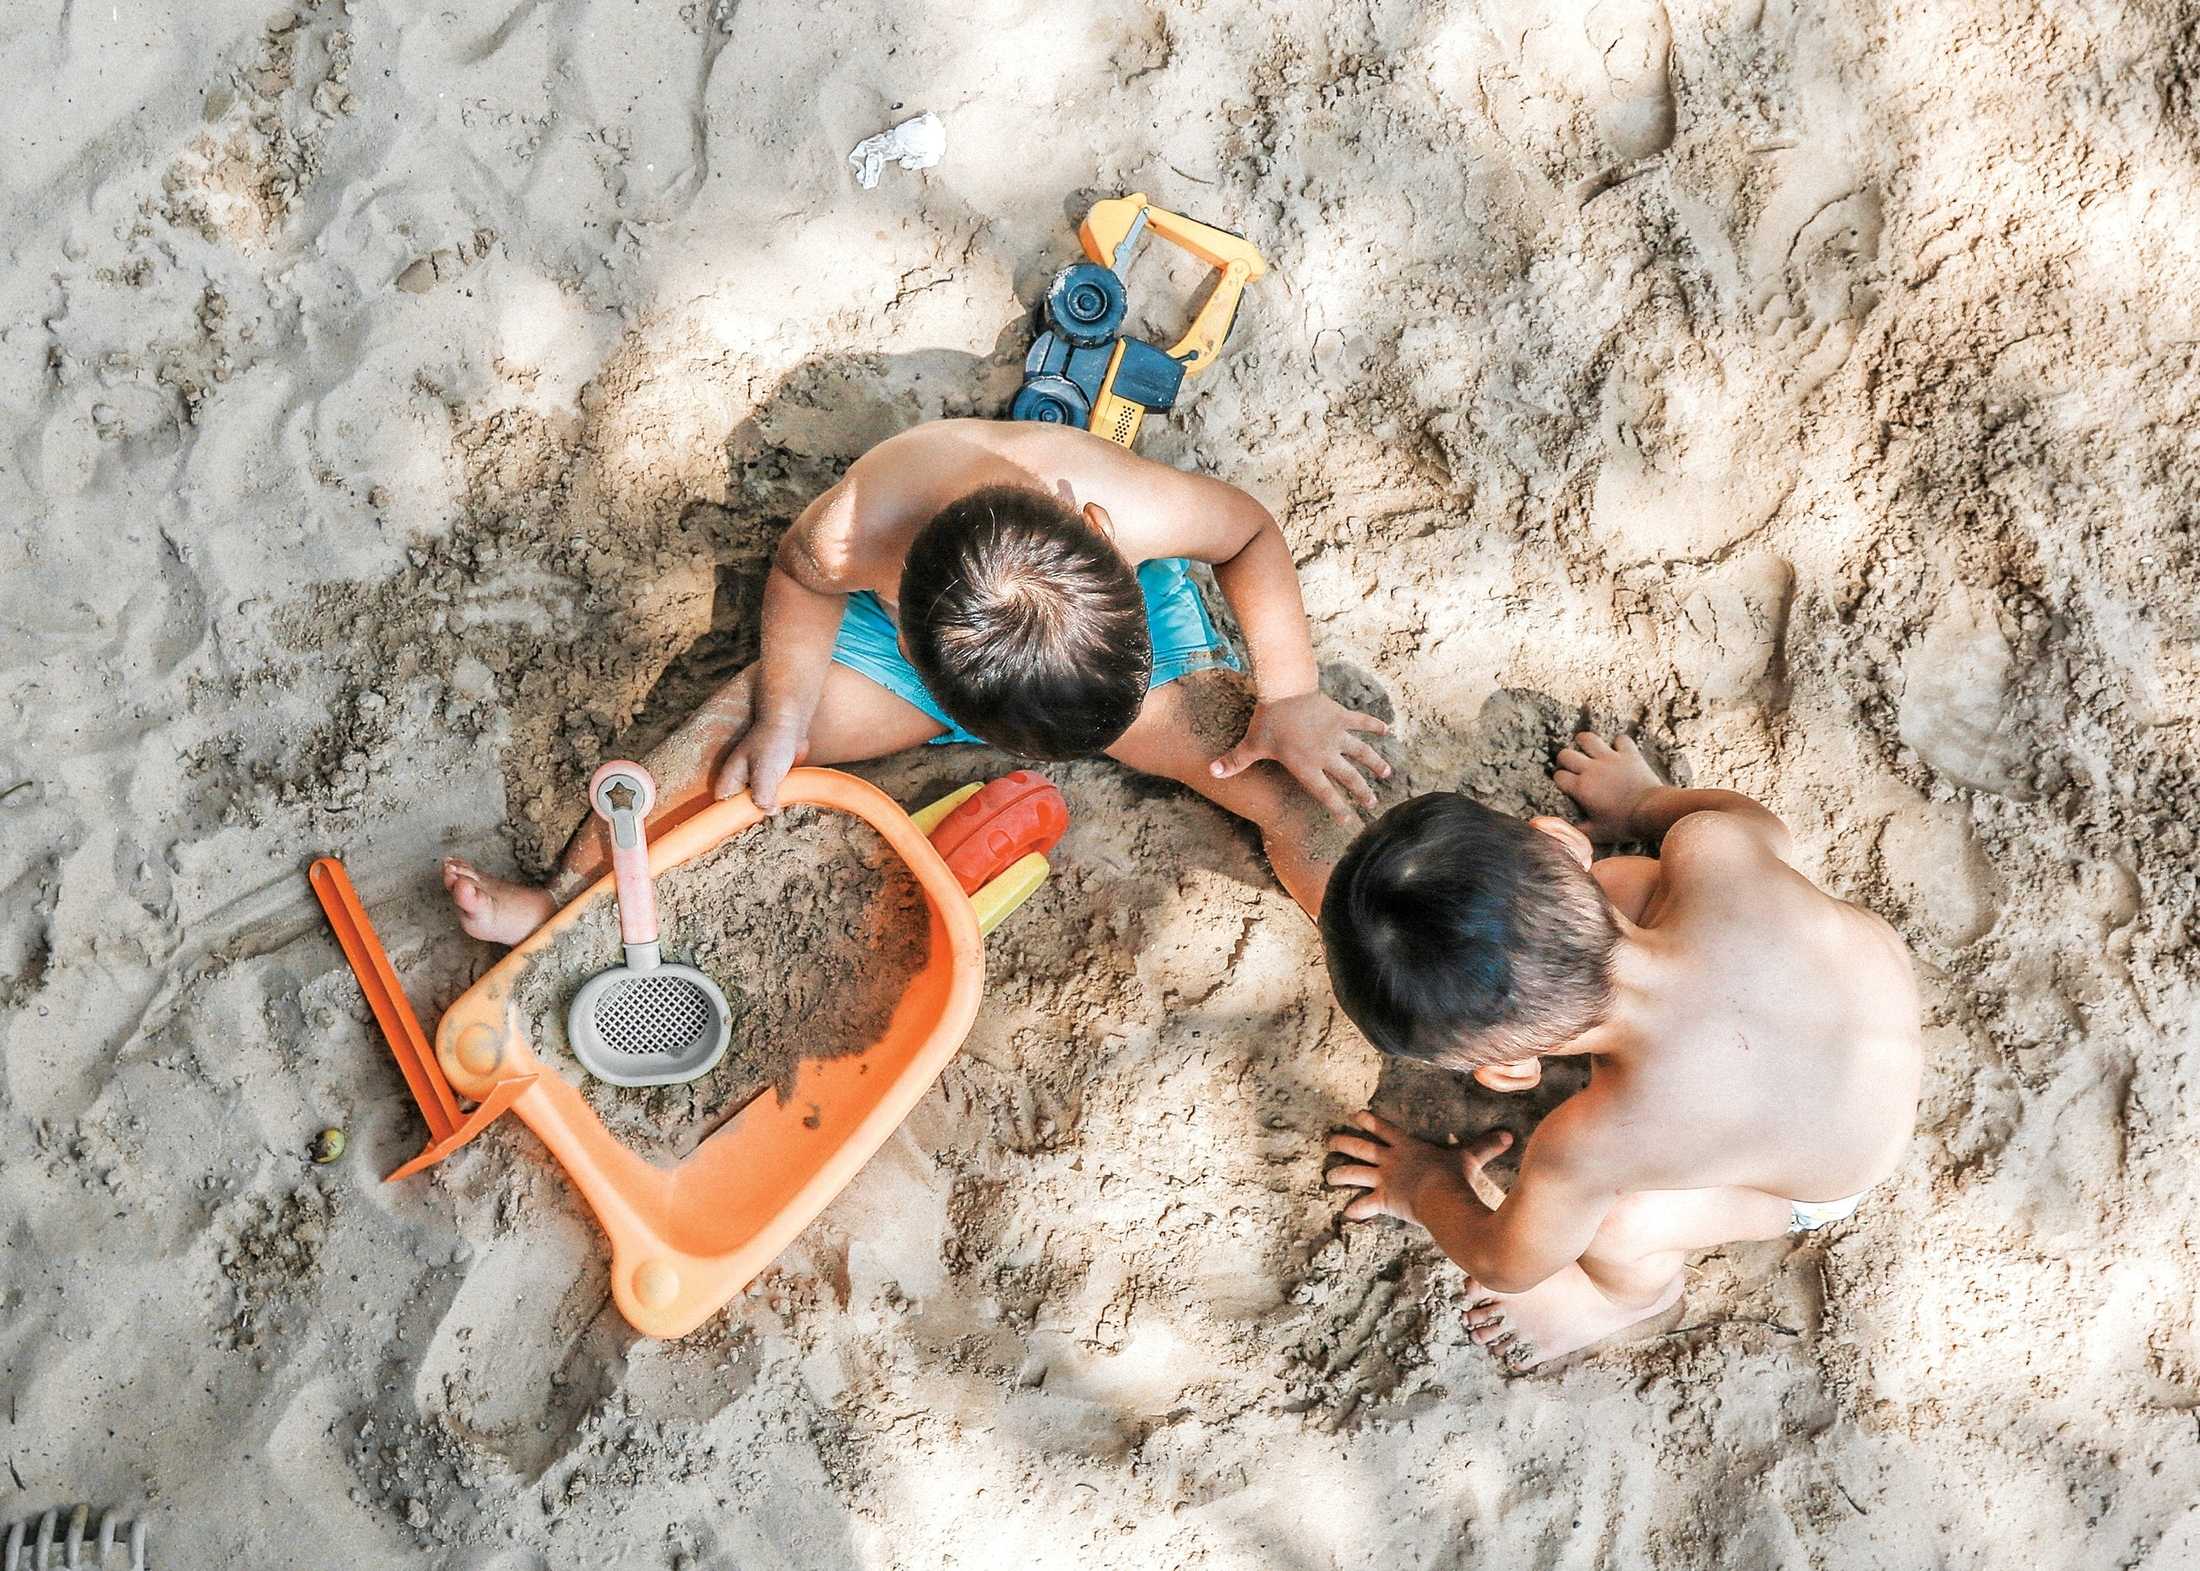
1625 800
1544 1224
1160 512
804 596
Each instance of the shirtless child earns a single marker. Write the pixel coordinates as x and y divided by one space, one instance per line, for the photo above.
1753 1042
1023 584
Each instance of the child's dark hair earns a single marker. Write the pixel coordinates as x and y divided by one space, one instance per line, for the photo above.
1461 936
1026 624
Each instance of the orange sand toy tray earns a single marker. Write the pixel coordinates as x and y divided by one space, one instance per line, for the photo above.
685 1239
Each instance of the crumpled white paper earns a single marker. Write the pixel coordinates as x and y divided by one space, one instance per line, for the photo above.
914 144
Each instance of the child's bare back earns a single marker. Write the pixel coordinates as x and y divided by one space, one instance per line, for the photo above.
1754 1045
1774 1033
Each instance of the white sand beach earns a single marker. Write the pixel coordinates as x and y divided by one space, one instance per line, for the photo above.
398 406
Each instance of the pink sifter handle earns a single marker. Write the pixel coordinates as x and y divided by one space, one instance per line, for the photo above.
622 793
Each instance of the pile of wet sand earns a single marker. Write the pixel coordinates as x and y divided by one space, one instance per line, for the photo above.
809 922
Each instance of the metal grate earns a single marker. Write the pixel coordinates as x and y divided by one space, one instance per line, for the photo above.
57 1541
653 1014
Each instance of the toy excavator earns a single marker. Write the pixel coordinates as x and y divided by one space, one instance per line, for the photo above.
1081 370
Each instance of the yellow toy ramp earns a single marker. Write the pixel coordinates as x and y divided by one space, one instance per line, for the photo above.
685 1239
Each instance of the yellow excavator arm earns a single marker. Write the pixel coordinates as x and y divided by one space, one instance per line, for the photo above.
1110 234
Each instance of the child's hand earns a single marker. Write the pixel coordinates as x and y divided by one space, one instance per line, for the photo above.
1608 781
761 759
1315 738
1401 1173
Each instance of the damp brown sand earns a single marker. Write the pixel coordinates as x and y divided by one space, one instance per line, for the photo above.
809 922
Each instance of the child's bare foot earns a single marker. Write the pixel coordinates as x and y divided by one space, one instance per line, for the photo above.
1559 1315
494 909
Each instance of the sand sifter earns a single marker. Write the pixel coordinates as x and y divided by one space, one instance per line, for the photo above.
650 1022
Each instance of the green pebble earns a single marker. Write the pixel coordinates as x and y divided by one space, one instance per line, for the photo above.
327 1146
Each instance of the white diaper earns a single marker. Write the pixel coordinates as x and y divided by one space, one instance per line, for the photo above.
1807 1216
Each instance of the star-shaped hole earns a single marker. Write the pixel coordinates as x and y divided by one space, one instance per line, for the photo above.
621 796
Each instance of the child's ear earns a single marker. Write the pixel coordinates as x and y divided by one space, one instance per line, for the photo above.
1097 516
1568 835
1524 1075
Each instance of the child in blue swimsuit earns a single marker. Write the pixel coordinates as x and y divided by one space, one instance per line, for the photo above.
1024 585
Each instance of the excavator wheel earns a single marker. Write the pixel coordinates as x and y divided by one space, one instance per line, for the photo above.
1086 303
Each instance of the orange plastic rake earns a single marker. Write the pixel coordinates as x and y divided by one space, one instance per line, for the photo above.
447 1129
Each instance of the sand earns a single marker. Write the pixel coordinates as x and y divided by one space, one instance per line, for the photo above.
400 403
808 922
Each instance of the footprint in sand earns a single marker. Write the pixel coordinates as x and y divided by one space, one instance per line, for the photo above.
1956 711
1635 42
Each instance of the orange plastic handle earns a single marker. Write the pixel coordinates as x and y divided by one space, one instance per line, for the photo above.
400 1026
1000 825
